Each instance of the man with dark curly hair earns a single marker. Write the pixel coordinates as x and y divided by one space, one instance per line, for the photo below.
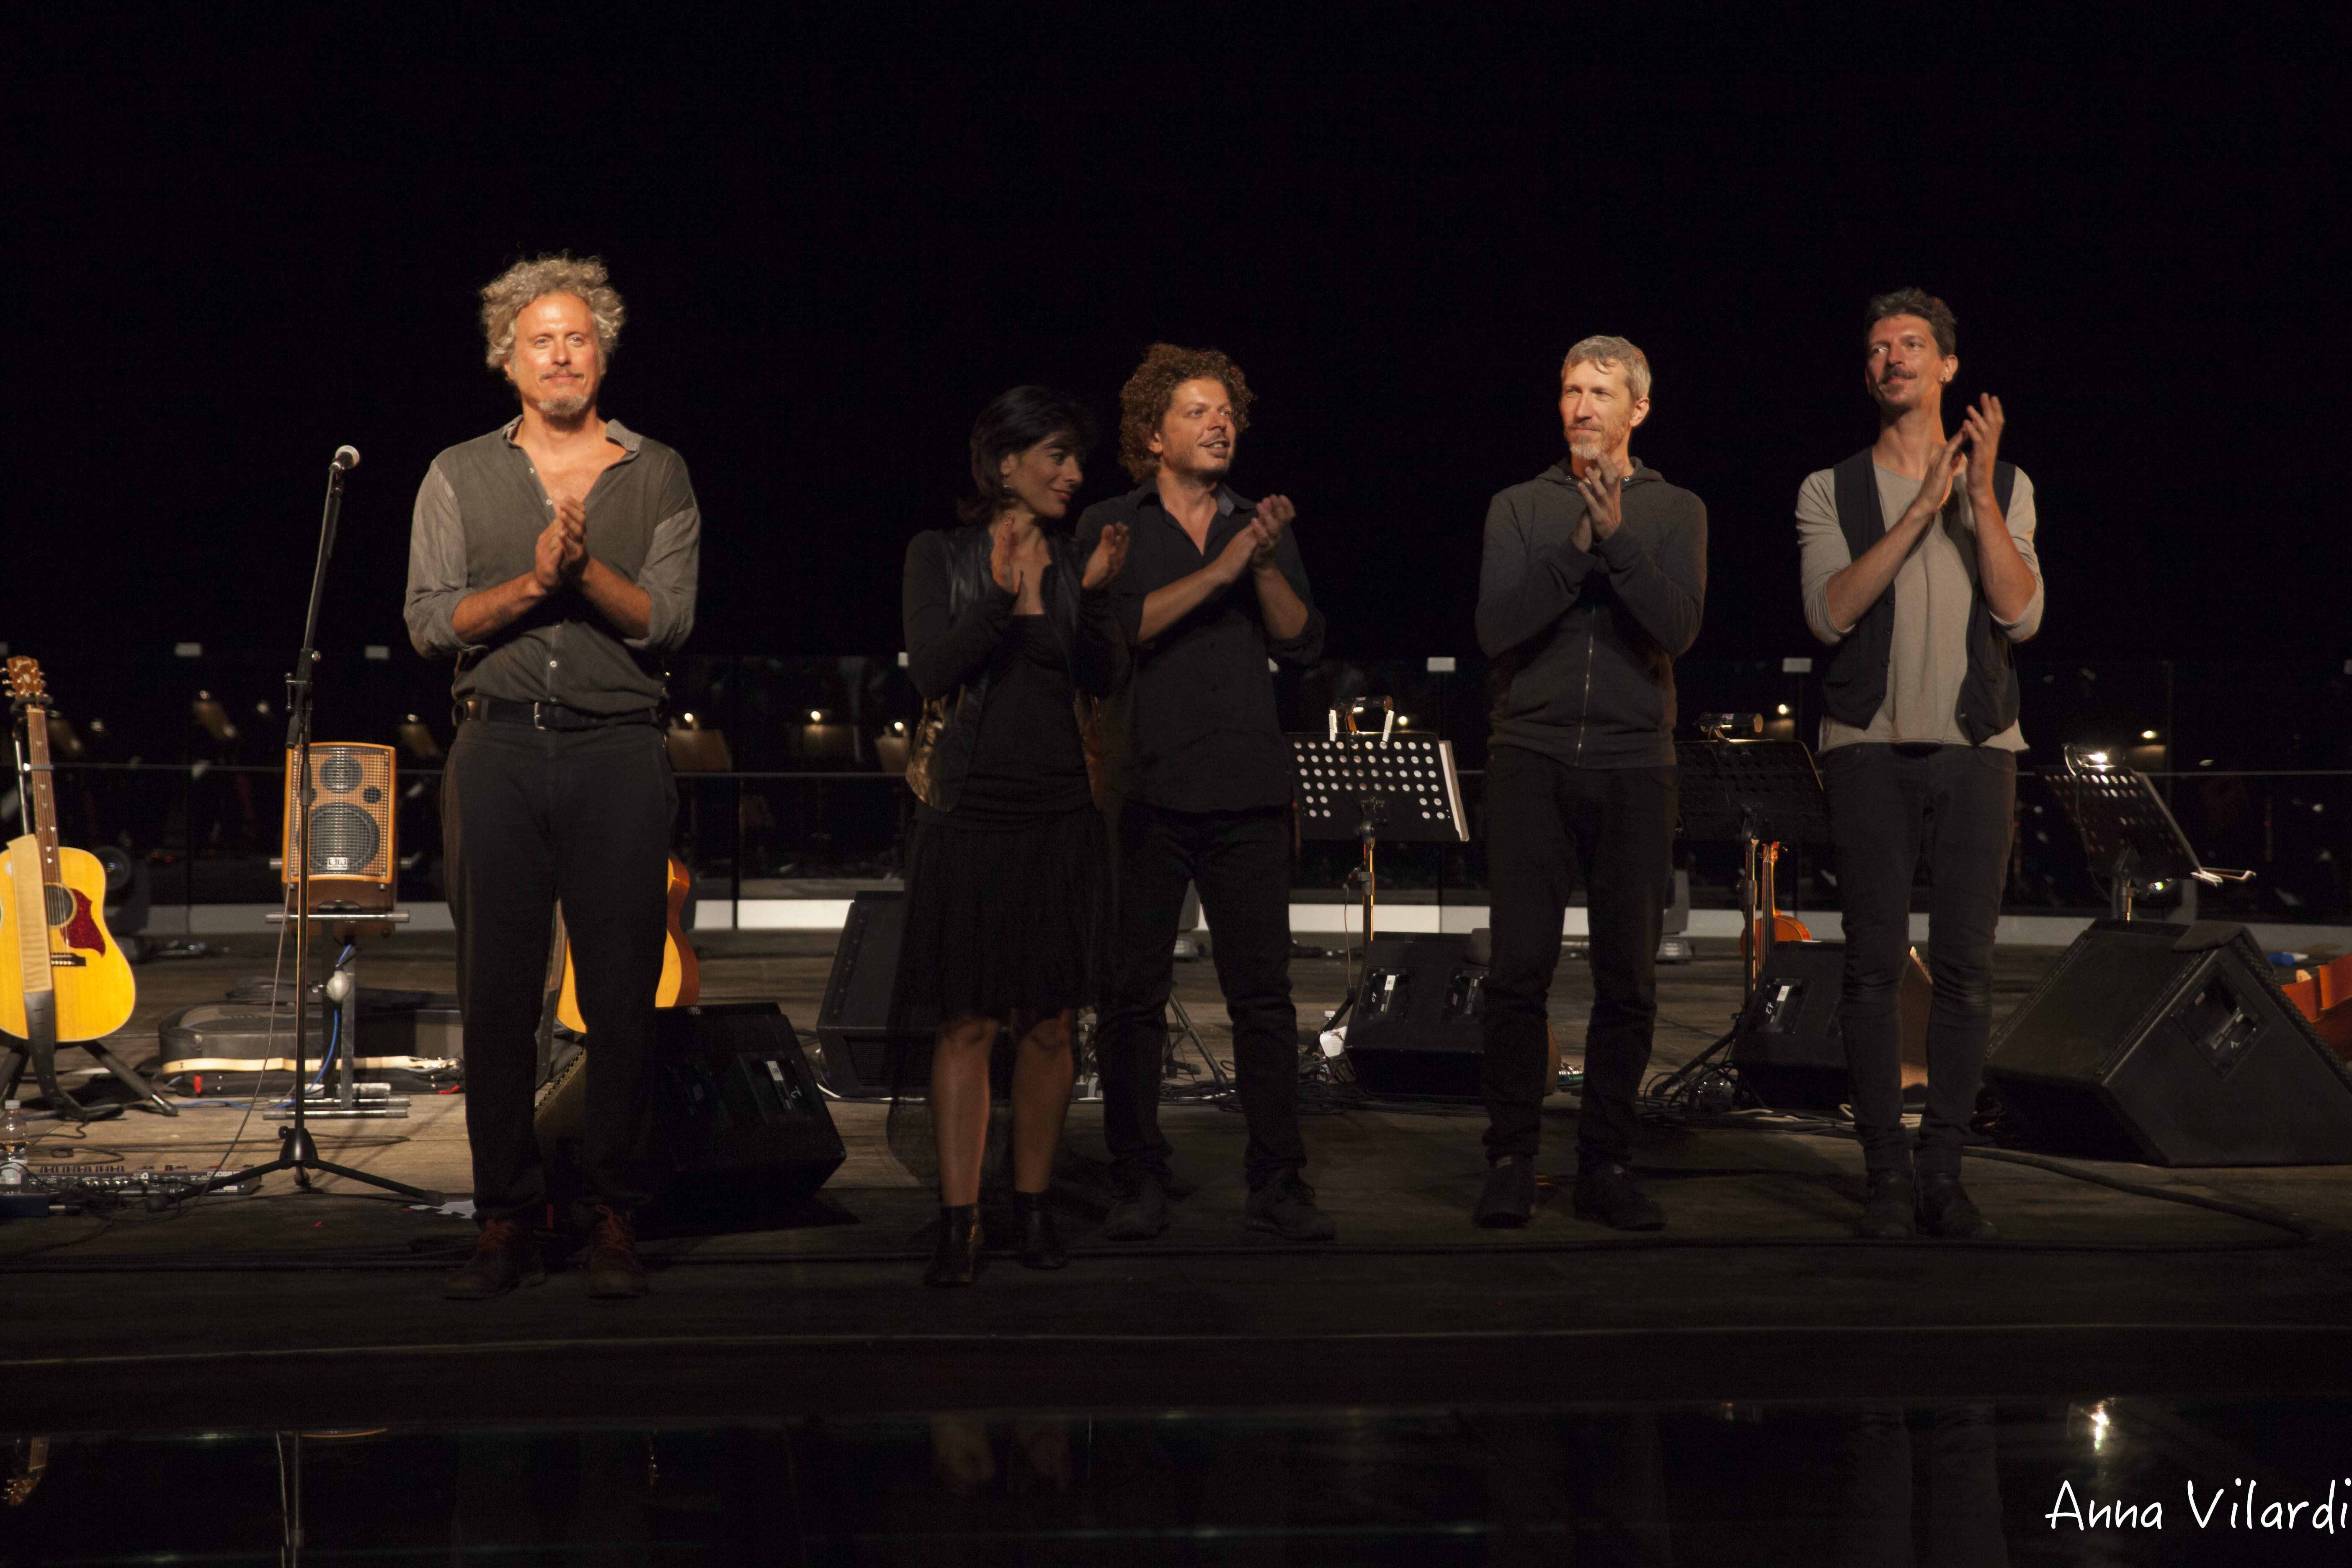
554 560
1919 567
1214 588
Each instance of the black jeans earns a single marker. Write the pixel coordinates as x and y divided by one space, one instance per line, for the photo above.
1544 819
529 817
1241 862
1893 808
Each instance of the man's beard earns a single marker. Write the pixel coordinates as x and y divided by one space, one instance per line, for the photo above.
1587 445
570 407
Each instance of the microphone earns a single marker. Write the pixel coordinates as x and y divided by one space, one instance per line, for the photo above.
347 458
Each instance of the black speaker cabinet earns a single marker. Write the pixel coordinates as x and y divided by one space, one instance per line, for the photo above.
853 1023
1795 1058
1414 1033
2172 1045
741 1137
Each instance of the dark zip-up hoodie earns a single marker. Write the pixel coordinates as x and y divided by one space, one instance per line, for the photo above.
1584 640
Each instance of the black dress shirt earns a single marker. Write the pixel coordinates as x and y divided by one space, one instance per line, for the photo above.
1195 730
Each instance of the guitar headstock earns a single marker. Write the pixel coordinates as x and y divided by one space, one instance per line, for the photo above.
26 686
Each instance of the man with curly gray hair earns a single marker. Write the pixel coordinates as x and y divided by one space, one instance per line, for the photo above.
554 560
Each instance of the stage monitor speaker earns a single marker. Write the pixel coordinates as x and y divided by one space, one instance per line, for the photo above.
1794 1058
853 1023
354 860
741 1138
2172 1045
1414 1033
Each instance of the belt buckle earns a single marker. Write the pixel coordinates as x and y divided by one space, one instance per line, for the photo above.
536 722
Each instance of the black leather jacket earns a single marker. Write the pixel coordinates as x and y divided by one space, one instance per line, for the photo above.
957 619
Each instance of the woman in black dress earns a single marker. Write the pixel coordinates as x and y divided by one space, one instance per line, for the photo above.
1005 627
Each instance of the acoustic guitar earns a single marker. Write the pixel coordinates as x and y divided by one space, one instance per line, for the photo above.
64 979
681 973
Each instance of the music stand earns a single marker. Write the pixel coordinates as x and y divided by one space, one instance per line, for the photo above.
1762 794
1357 784
2127 831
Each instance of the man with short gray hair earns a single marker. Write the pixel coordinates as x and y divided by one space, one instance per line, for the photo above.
1592 584
554 560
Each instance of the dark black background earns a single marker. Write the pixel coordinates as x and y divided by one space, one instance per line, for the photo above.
238 241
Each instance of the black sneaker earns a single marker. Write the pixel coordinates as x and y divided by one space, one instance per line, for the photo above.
1285 1205
1510 1199
1142 1212
1887 1213
1945 1210
1606 1193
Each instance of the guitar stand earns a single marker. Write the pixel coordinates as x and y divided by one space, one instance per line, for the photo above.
16 1060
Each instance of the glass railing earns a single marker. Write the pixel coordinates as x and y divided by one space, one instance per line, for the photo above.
787 770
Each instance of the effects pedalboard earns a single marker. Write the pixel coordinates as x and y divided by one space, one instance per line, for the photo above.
71 1181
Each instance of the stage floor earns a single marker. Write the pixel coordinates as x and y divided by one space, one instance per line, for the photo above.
323 1309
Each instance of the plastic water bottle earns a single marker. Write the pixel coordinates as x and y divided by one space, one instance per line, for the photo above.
12 1144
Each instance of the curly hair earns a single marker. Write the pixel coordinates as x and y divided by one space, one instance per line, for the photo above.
1143 401
1920 304
525 282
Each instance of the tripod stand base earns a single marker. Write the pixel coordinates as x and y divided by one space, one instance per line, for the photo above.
300 1155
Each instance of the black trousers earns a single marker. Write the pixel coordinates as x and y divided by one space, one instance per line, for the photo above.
1544 820
529 817
1892 809
1241 862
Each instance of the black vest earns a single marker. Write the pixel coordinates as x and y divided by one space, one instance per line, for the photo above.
1854 686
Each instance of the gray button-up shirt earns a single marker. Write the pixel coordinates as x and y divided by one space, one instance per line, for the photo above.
480 514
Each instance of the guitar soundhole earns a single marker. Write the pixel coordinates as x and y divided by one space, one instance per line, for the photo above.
343 839
61 904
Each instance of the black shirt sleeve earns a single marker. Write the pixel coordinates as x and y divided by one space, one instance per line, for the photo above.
943 652
1304 649
1522 593
1664 589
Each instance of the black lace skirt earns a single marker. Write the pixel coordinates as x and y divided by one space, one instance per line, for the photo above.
997 920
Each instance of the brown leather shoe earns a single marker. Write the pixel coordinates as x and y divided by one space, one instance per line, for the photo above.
505 1255
613 1266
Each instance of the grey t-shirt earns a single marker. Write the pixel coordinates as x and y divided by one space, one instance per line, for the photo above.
1933 589
479 513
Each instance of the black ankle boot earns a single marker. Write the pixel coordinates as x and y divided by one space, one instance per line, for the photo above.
1040 1247
958 1259
1887 1211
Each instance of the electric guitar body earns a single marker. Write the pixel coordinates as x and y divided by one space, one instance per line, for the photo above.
681 973
64 979
90 979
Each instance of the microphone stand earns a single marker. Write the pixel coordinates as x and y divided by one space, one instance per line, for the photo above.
299 1153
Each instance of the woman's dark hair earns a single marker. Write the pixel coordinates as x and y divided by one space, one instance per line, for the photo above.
1016 421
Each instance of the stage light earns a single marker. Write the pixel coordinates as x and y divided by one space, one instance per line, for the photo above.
686 719
1783 711
2147 734
898 726
817 716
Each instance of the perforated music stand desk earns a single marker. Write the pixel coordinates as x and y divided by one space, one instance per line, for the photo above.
1361 786
1732 791
2127 831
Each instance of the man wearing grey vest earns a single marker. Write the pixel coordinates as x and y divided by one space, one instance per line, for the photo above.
1918 748
554 560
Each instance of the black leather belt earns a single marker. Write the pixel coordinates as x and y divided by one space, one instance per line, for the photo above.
546 715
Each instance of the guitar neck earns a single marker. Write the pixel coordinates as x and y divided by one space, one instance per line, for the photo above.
33 859
44 792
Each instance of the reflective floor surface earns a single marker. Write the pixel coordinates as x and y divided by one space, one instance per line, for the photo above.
2121 1481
